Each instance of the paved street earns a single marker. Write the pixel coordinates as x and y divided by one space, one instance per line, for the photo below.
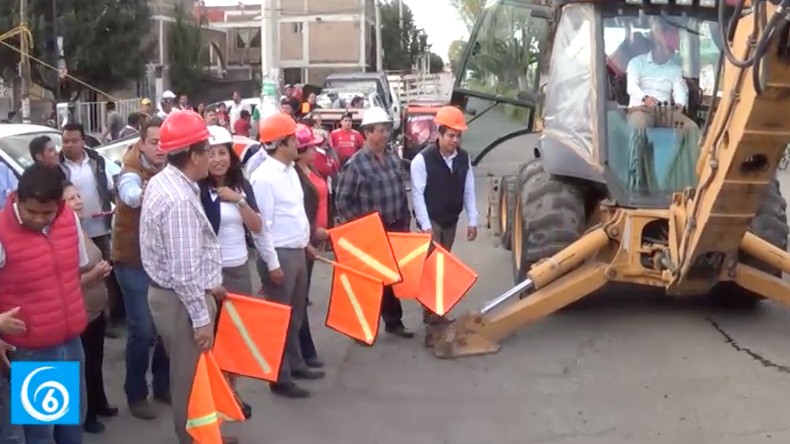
628 368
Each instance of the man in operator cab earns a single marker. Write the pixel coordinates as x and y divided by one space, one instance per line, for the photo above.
656 87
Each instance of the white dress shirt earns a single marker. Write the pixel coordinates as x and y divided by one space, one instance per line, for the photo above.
419 179
662 82
278 193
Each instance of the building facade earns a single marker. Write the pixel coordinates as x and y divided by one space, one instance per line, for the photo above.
317 38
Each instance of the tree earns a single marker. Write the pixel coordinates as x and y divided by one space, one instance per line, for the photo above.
455 53
401 47
101 40
186 52
436 63
468 10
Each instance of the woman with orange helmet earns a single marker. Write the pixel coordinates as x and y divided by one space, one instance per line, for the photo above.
442 185
284 244
316 206
182 256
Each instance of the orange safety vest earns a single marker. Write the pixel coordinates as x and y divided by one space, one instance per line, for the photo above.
363 245
250 338
211 402
354 304
411 250
445 280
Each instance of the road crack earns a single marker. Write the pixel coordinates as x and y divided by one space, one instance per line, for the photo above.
765 362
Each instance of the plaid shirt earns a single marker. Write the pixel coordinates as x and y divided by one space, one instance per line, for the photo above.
178 246
367 184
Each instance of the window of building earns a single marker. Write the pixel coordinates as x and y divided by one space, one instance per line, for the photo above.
248 38
297 27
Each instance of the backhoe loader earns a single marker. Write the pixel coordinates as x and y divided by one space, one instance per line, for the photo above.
679 195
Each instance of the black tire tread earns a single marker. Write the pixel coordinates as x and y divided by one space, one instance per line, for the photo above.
552 212
508 187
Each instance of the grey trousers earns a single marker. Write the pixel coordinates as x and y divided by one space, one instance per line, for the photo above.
443 236
175 328
293 292
237 280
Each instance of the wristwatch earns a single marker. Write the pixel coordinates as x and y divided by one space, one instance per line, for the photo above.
241 203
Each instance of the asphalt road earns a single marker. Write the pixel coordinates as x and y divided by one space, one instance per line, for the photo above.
628 368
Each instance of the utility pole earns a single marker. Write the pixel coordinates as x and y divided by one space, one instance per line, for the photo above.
379 55
56 48
24 64
270 51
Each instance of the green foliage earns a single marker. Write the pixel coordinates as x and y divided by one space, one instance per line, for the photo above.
436 63
468 10
401 47
186 52
455 53
102 41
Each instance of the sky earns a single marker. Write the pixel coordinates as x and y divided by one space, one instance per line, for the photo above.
436 17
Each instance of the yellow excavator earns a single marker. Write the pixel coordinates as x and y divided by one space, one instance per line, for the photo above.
677 193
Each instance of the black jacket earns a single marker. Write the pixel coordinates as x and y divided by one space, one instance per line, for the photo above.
211 206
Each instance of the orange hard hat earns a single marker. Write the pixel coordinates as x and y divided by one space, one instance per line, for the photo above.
182 129
451 117
275 127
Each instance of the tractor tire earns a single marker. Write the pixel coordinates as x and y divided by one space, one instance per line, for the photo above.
550 215
507 193
770 224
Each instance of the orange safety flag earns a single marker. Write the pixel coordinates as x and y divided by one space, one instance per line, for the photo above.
211 402
445 280
363 245
354 304
250 339
411 250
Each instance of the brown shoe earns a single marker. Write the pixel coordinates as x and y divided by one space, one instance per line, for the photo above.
430 318
142 410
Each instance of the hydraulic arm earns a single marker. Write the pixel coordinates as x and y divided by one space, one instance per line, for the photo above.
707 225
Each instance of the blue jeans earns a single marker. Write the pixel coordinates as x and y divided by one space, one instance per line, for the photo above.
70 350
141 336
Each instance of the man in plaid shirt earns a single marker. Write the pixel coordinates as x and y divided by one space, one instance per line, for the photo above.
372 181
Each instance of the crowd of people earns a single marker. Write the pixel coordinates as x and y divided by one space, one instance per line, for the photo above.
189 216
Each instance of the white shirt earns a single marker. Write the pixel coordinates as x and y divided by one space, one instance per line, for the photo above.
83 249
648 78
280 199
81 175
419 179
232 239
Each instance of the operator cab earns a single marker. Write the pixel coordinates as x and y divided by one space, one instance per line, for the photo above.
568 65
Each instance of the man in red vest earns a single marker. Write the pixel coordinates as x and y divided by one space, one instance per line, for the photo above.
42 249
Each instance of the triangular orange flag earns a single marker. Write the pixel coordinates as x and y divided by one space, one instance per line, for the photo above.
445 280
354 304
211 402
411 250
363 245
250 338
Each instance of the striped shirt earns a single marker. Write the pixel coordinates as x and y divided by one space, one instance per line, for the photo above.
179 248
367 184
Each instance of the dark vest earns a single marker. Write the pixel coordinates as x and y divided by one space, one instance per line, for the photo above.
444 189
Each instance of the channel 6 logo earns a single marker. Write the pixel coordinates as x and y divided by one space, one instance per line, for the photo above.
45 393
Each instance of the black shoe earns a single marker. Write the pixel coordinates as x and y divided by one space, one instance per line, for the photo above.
307 374
289 390
314 362
164 398
400 331
93 426
107 411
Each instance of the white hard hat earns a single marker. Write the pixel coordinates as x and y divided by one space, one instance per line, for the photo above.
168 95
218 135
375 114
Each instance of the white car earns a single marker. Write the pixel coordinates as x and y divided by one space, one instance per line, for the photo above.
15 146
